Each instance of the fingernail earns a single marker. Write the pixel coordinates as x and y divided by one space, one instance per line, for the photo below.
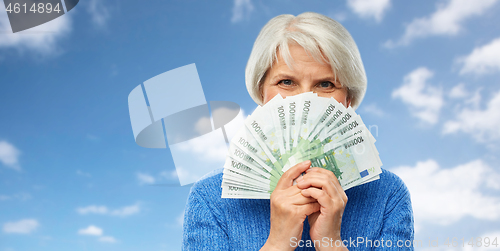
299 179
306 163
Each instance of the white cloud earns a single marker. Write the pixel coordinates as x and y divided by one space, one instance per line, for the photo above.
124 211
459 92
446 20
91 230
165 176
98 11
235 125
82 173
145 178
97 231
424 100
92 137
180 173
369 8
241 10
17 196
216 152
482 124
41 39
196 157
475 99
203 125
107 239
9 155
445 195
187 174
339 16
24 226
22 196
180 219
482 60
374 110
169 174
92 210
218 148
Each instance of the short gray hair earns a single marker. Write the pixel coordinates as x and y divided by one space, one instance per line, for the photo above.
323 37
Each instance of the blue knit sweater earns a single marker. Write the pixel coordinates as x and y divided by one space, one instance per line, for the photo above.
377 215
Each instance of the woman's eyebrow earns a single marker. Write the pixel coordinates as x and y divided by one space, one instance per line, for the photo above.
329 78
283 76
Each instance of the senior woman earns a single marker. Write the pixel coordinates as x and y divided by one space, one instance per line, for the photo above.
292 55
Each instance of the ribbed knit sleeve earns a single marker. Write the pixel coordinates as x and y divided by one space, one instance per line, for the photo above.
378 215
398 217
202 229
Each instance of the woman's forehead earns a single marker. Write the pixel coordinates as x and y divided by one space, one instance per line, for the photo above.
301 61
292 49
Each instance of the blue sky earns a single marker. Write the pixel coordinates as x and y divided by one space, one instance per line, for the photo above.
72 177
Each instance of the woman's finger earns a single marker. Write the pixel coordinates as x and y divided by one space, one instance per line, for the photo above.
321 196
318 180
292 196
321 170
300 200
332 177
287 178
310 208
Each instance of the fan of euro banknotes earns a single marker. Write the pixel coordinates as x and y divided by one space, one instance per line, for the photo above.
287 131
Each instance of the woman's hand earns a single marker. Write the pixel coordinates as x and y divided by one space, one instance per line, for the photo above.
289 209
323 186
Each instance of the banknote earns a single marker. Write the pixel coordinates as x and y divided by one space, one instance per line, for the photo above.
276 108
292 113
247 144
262 129
350 160
332 111
242 173
243 193
290 130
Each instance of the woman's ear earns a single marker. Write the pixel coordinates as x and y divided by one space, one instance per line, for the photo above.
261 87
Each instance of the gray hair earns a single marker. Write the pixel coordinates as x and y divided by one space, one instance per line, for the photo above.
324 38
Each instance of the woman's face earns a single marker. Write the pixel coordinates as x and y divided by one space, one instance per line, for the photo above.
307 75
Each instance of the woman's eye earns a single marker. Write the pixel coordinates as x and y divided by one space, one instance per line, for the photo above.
326 84
286 82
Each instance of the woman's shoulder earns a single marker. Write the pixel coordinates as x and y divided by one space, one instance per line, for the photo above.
209 185
205 196
390 180
375 201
